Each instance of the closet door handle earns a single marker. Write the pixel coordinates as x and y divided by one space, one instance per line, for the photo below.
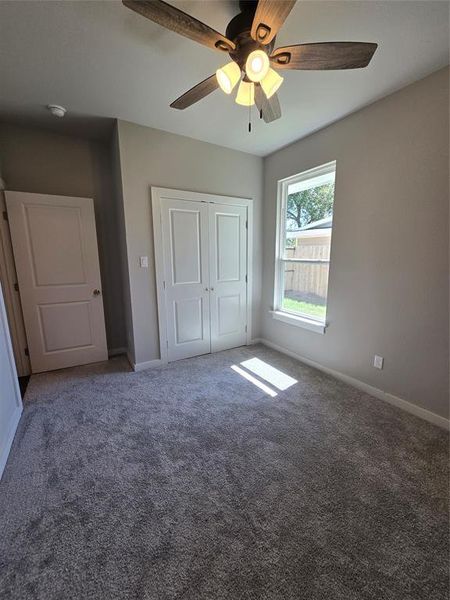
212 289
206 290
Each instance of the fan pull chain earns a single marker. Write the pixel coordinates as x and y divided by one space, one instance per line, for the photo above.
249 110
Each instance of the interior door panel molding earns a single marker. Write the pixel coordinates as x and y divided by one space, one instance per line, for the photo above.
32 243
172 216
236 250
244 212
197 305
221 311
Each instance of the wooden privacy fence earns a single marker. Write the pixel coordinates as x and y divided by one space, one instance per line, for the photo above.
308 278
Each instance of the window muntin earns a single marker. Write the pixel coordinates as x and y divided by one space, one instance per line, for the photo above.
305 220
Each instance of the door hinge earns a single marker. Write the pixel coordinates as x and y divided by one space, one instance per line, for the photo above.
16 287
27 352
246 329
5 215
246 224
164 284
167 343
246 279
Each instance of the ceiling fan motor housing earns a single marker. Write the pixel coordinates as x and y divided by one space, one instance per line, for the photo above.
248 5
238 31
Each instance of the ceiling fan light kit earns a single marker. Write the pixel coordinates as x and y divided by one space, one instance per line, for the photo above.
249 41
228 76
257 65
271 83
246 93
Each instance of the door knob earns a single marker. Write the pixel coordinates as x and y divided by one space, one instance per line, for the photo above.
96 292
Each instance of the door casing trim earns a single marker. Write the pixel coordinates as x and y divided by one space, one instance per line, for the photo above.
157 194
11 296
5 445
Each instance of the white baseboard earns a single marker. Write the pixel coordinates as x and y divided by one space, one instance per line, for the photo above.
15 418
117 351
143 366
364 387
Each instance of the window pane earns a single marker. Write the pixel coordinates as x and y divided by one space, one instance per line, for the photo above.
305 241
305 288
314 246
306 211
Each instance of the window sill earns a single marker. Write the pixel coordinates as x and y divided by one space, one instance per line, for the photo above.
304 322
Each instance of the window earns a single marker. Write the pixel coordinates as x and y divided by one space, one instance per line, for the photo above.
305 219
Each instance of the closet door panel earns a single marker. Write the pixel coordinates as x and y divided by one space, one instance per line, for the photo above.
186 275
228 286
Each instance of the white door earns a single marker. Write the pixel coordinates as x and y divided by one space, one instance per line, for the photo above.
10 401
228 275
186 277
55 250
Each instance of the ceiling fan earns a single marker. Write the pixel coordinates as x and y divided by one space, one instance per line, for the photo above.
250 41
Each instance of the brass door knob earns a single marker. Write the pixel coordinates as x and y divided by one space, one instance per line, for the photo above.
96 293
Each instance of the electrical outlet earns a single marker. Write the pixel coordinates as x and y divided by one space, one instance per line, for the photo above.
378 361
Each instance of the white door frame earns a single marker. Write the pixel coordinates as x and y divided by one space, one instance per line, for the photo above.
5 445
8 280
158 193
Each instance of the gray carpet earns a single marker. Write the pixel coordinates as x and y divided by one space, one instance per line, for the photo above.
189 482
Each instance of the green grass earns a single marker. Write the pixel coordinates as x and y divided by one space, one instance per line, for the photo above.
306 308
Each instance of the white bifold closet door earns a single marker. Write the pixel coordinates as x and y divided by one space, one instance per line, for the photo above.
205 279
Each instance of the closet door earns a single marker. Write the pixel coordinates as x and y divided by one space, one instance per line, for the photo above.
228 274
186 277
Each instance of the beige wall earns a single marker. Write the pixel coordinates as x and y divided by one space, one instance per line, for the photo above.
388 287
150 157
34 160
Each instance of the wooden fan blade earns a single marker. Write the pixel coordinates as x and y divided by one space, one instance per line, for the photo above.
324 56
270 107
269 18
176 20
196 93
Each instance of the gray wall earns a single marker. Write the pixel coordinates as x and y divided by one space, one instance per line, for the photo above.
388 287
150 157
122 241
35 160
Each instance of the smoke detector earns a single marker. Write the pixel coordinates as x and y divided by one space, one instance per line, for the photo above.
56 110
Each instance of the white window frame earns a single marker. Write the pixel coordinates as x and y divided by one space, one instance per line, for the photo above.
278 312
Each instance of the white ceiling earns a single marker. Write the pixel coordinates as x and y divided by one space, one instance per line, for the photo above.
102 61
